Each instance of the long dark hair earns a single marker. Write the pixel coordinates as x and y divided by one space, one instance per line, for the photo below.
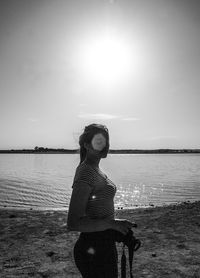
87 135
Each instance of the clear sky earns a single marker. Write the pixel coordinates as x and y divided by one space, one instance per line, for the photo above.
55 79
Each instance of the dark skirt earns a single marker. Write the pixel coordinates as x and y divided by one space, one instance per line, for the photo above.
95 255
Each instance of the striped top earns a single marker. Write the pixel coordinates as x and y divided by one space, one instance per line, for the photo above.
100 203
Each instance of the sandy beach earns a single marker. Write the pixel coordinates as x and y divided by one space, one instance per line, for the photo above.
37 244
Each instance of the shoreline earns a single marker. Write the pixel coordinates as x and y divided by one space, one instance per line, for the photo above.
37 244
117 208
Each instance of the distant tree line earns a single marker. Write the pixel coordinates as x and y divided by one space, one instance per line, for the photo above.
129 151
120 151
62 150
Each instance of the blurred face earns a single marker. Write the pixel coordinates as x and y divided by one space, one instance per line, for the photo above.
98 142
97 145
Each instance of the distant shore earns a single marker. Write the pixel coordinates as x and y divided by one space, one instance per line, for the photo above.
38 244
41 150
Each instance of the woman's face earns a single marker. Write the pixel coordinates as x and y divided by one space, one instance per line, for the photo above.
98 142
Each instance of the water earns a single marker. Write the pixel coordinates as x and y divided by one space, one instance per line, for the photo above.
43 181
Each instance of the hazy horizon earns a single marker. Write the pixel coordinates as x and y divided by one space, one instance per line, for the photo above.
133 66
111 149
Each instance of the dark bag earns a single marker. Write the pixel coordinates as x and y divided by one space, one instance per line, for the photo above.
133 245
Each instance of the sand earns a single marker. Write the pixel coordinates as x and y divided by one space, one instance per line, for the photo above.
37 244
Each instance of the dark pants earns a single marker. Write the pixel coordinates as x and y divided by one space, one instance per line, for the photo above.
95 255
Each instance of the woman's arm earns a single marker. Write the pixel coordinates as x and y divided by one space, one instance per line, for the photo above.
77 219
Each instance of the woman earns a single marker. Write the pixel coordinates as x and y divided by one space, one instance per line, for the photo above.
91 209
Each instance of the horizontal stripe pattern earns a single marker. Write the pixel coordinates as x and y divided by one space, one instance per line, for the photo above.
101 200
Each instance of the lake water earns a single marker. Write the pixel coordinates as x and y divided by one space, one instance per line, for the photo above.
43 181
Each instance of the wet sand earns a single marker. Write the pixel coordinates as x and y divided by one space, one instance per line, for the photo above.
37 244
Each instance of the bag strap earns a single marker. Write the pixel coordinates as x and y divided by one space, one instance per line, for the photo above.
131 250
123 264
130 254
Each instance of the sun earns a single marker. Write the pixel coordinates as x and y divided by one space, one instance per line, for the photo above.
105 60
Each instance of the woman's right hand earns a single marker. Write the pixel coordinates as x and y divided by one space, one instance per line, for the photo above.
122 225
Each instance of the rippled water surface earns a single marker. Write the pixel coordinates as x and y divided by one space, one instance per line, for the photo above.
43 181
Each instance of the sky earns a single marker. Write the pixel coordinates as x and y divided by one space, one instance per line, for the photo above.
132 65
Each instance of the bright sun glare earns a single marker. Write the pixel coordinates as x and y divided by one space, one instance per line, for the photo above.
105 60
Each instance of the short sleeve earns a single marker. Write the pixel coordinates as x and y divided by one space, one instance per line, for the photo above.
84 174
